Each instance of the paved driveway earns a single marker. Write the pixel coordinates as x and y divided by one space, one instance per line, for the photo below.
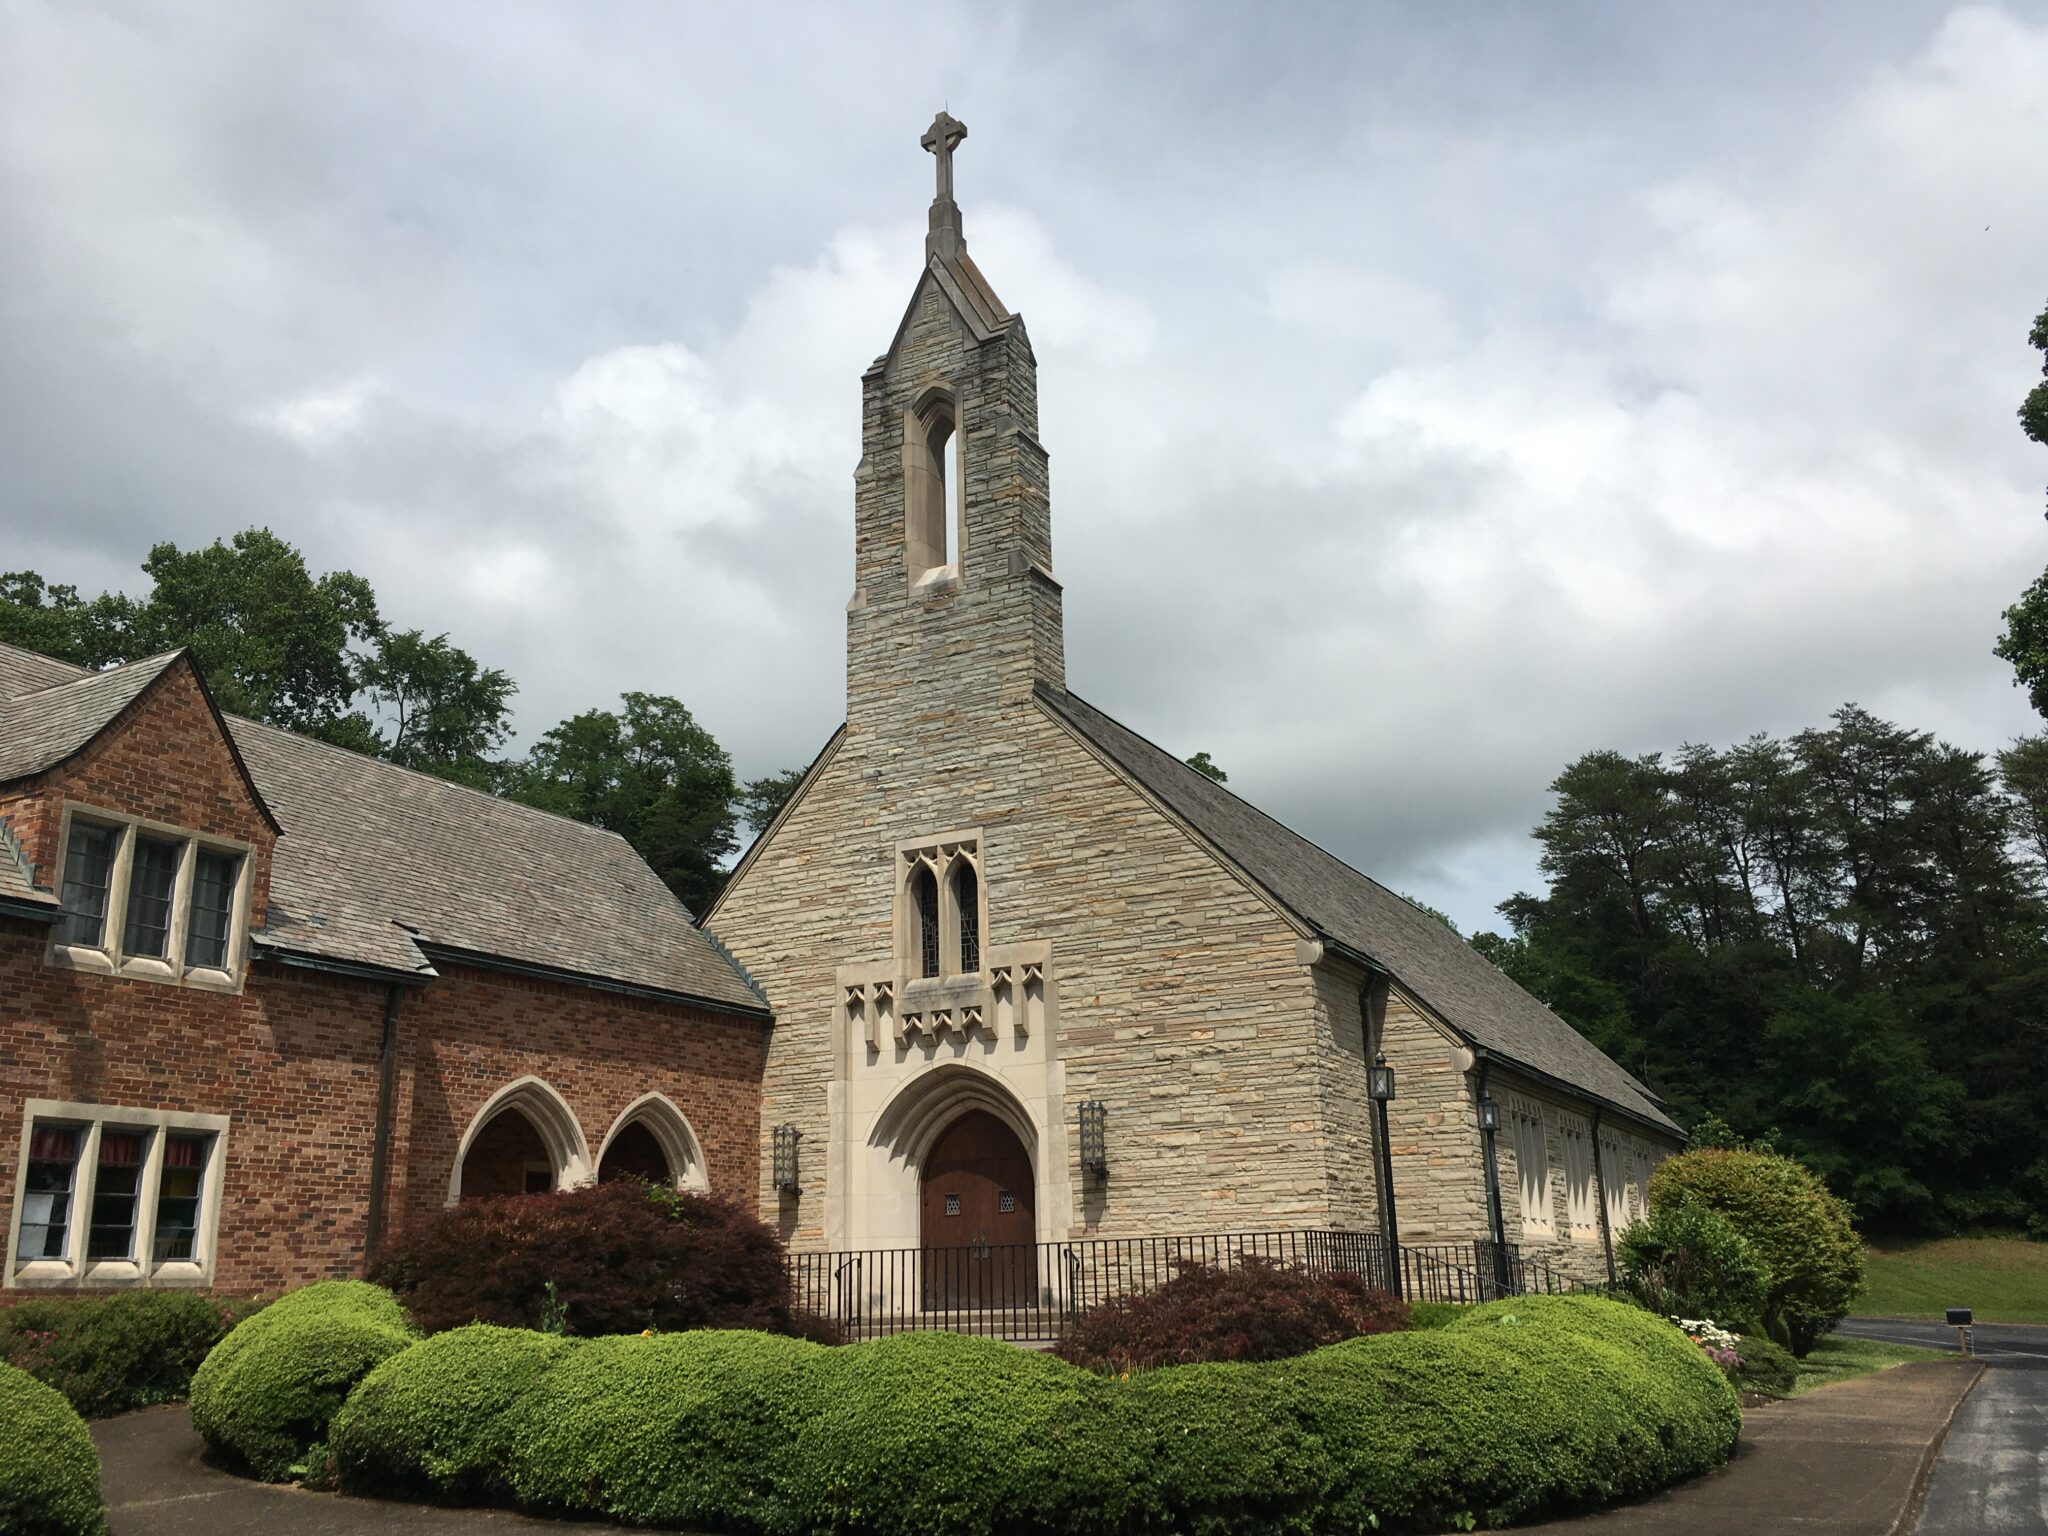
1992 1475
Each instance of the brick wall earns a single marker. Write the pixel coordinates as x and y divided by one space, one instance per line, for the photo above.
163 759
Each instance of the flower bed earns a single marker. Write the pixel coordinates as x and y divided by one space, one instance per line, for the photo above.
1507 1412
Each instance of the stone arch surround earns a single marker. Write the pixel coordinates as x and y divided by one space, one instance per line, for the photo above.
550 1116
883 1203
671 1130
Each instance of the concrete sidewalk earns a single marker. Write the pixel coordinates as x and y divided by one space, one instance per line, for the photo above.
1846 1460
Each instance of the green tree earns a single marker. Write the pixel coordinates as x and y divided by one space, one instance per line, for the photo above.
55 620
650 773
2025 642
446 713
273 640
762 799
1206 767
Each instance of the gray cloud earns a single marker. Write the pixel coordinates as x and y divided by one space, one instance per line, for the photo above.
1433 397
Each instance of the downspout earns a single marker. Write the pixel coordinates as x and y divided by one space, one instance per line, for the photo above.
1600 1189
380 1146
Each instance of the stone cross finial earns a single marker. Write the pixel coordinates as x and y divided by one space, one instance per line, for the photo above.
942 138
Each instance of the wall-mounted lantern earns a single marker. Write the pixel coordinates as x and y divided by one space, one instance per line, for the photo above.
1094 1137
1489 1114
786 1138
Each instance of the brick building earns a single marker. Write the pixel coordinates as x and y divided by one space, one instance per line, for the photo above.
263 1000
1035 979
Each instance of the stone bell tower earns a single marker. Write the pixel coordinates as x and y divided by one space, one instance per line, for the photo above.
955 608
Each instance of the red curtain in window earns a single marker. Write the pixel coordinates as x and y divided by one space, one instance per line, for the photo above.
53 1144
184 1151
120 1149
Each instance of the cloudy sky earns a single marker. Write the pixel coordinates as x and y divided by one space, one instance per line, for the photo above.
1434 393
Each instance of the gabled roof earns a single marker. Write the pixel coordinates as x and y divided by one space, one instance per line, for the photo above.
971 295
41 729
1326 895
381 867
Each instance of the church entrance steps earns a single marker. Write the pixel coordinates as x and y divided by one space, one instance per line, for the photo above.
1033 1292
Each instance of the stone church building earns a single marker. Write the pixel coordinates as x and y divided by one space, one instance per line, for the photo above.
1001 972
1035 979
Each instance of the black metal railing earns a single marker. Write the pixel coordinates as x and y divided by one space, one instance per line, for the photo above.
1031 1292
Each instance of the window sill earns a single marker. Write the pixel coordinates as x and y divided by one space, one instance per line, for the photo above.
93 961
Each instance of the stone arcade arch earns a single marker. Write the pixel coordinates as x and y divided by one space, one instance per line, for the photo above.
652 1124
527 1126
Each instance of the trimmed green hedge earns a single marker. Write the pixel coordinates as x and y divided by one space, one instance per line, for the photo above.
1507 1411
108 1354
264 1397
49 1470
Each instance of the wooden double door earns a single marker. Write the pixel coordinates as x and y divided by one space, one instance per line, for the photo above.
978 1219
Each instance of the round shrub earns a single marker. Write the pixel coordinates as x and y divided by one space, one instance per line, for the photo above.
1687 1260
263 1399
1541 1404
693 1429
1800 1232
108 1354
49 1471
1765 1367
431 1420
938 1432
1510 1410
618 1257
1253 1310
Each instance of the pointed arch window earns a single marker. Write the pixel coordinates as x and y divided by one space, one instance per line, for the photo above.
924 905
932 485
967 911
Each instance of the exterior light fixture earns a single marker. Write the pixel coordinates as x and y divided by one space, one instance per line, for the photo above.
1382 1079
1094 1141
1380 1084
1489 1114
786 1138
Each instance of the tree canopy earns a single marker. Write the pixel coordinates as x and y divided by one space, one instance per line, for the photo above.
1835 940
313 654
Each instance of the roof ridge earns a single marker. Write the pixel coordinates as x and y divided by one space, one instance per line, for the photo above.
160 660
420 773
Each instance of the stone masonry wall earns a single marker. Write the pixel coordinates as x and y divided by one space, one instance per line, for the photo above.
1439 1177
1181 1001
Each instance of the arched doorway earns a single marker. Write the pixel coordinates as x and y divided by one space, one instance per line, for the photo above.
978 1219
635 1154
507 1157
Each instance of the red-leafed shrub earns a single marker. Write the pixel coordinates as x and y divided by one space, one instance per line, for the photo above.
619 1257
1254 1310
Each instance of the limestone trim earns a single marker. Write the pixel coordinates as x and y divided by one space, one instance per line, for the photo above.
672 1131
550 1116
819 764
933 1100
141 1269
109 957
1223 861
940 855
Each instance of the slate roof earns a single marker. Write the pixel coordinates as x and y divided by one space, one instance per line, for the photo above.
379 866
40 729
1452 979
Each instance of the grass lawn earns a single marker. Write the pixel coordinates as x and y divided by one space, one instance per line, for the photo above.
2004 1279
1836 1358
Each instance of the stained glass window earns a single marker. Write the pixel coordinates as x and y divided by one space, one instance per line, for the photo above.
924 898
967 896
